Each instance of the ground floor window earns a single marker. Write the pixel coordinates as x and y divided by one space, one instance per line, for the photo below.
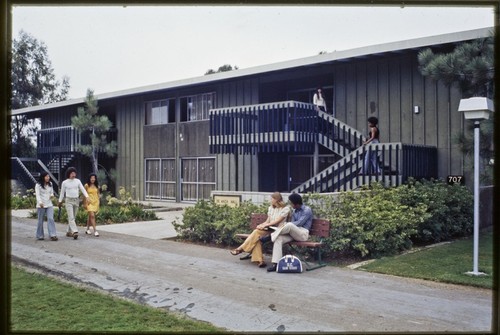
160 179
198 178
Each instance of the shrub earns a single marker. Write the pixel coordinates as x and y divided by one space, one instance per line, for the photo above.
112 210
27 201
372 222
211 223
450 209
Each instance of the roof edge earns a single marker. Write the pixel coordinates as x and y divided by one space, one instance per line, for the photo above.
323 58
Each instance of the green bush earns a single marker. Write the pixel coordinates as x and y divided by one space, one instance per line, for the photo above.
450 209
211 223
112 210
27 201
372 222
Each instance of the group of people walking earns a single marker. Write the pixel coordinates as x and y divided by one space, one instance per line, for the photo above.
70 191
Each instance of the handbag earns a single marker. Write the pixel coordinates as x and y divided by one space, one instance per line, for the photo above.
289 264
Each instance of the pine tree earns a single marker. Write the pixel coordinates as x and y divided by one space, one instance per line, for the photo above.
470 66
88 122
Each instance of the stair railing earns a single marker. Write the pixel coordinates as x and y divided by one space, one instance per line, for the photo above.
337 135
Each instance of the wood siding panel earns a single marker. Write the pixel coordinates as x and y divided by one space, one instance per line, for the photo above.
340 89
372 90
383 100
159 141
418 100
406 101
443 135
393 131
456 127
350 115
130 159
361 98
429 112
193 139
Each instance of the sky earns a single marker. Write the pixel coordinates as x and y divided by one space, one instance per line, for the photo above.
109 49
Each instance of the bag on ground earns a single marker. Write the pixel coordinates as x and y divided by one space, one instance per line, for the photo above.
289 264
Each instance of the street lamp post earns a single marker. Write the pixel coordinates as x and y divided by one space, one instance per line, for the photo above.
476 109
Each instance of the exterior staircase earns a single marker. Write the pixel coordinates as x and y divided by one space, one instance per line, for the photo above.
292 126
26 171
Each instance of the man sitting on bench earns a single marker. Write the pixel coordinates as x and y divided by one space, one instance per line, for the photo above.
297 229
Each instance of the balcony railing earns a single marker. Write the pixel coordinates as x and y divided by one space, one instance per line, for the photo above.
273 127
397 161
64 139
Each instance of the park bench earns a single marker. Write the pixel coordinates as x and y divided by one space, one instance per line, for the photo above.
320 229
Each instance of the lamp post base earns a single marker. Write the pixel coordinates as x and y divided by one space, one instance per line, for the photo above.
474 273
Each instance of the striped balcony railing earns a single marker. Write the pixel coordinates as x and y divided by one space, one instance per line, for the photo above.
64 139
273 127
397 163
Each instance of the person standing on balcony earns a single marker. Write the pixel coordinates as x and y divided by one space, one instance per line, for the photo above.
277 213
371 158
319 101
44 193
92 207
70 194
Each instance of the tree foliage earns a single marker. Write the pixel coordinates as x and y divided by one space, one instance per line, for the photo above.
470 66
33 83
97 127
223 68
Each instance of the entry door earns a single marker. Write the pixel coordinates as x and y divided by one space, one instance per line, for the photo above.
300 170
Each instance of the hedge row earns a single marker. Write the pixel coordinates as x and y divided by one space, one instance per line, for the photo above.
373 222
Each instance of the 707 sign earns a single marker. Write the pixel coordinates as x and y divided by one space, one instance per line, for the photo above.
453 179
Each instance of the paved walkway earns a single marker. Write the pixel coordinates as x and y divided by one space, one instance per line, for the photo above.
135 262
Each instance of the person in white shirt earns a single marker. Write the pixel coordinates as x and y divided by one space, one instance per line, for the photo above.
70 194
44 193
319 101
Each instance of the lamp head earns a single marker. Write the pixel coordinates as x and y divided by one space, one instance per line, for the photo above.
476 108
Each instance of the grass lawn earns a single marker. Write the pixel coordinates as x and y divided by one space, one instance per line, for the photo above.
443 263
40 303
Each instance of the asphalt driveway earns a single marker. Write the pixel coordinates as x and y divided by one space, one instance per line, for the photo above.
209 284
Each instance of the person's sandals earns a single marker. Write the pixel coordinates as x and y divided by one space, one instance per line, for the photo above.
53 238
75 235
88 232
235 252
96 234
262 265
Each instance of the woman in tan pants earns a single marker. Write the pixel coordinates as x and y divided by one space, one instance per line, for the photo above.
277 213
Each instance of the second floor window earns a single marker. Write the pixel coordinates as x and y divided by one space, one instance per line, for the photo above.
160 112
196 107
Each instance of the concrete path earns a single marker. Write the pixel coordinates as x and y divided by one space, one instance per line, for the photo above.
209 284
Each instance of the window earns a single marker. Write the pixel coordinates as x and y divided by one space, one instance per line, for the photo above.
160 112
198 178
160 179
196 107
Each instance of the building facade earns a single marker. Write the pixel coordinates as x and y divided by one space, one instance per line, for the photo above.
256 129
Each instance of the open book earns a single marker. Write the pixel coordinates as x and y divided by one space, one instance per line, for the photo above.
276 227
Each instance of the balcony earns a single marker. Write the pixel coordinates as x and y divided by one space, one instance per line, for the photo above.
64 140
287 126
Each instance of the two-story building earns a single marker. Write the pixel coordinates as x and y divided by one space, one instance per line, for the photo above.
256 129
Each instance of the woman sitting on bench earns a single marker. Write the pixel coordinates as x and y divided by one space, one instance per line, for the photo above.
278 212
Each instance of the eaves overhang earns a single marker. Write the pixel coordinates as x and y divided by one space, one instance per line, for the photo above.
345 55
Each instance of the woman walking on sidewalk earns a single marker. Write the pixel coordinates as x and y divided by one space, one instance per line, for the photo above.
44 193
92 206
70 194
